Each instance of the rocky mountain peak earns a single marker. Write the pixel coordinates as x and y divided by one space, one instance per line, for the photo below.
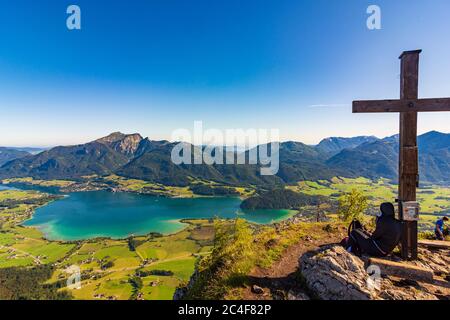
334 145
126 144
113 137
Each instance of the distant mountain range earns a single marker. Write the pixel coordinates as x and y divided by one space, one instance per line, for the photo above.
133 156
380 158
334 145
10 153
32 150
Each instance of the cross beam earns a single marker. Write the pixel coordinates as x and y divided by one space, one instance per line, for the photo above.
408 106
415 105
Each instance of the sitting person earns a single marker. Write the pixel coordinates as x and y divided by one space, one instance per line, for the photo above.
384 239
440 230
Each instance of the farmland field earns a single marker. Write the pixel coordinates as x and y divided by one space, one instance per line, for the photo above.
162 262
433 200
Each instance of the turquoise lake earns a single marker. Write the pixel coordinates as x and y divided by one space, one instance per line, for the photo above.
86 215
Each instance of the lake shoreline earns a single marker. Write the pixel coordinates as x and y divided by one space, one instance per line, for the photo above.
186 222
89 186
178 212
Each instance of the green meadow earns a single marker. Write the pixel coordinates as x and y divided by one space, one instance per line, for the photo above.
122 184
106 265
162 263
434 200
41 183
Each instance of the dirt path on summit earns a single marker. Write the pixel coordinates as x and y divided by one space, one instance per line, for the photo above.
280 281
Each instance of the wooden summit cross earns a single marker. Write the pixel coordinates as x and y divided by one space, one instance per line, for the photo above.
408 105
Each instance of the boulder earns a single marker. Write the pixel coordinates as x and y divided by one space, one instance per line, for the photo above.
331 273
334 274
293 295
257 290
437 260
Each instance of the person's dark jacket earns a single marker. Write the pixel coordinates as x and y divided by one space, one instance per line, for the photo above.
388 230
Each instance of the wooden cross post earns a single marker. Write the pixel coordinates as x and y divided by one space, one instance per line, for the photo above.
408 106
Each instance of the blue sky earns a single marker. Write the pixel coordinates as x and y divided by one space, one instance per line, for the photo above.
155 66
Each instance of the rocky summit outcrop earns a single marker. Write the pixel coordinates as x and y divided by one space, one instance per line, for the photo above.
334 274
434 259
331 273
126 144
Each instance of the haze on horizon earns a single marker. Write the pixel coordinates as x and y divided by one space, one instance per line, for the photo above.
152 67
